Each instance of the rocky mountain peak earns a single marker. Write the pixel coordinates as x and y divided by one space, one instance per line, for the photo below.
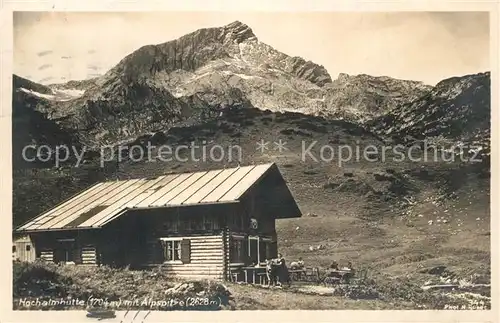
343 77
363 97
458 108
198 74
238 31
187 53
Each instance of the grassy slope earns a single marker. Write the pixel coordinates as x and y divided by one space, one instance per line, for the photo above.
357 215
40 281
54 282
359 212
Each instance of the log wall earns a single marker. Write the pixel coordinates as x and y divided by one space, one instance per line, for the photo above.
206 259
88 256
47 255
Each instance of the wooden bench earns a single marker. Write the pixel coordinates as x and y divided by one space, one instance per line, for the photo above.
313 275
331 281
305 274
235 273
344 276
262 278
297 274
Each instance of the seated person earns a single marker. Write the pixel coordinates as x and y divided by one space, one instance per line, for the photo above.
295 265
333 271
350 273
349 267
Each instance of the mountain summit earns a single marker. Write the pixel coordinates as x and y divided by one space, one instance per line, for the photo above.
193 77
228 44
190 79
187 53
239 32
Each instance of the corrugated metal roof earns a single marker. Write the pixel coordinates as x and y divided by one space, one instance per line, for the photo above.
103 202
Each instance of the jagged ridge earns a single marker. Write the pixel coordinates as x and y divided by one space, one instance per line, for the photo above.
364 97
457 107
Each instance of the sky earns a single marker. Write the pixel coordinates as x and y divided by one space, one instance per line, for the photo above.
54 47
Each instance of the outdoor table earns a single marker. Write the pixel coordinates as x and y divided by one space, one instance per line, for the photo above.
252 272
341 272
297 273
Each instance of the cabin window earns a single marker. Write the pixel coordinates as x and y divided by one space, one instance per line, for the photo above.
237 250
28 247
266 249
177 250
173 250
13 249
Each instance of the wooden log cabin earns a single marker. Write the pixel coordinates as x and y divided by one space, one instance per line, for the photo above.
193 225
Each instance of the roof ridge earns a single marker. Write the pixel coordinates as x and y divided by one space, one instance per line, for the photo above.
187 172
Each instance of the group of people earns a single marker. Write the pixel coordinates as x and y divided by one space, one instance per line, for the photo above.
335 266
278 274
344 273
277 271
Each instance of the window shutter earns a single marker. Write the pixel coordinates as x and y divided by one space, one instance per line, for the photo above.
160 251
186 251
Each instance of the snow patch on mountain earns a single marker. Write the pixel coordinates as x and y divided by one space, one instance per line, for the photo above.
58 94
38 94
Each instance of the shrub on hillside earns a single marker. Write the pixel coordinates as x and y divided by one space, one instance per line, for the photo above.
37 279
356 291
205 289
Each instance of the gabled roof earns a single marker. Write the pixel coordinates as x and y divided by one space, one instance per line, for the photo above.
105 201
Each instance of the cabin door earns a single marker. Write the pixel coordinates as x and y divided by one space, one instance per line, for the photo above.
259 249
253 249
65 251
265 249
